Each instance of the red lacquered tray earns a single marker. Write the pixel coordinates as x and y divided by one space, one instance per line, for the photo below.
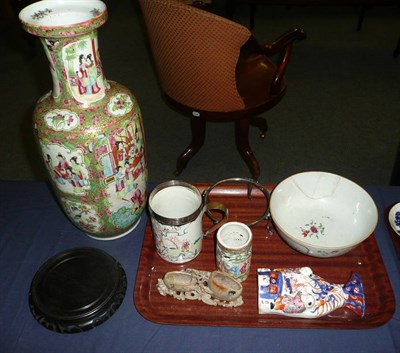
268 251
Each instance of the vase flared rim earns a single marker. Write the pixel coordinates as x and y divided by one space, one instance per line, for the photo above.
63 18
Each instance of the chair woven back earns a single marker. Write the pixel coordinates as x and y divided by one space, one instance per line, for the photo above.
195 53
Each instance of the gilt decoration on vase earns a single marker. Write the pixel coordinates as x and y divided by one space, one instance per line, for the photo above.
89 130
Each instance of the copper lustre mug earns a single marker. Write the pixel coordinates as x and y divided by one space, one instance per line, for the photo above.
176 211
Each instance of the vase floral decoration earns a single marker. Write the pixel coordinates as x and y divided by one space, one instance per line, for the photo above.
89 130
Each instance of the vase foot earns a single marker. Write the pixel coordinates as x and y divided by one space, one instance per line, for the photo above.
120 235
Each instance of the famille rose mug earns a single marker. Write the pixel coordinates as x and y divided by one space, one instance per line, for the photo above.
176 211
233 251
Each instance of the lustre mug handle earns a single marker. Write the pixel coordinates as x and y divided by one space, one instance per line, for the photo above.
222 209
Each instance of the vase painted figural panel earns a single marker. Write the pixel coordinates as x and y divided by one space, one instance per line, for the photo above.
89 129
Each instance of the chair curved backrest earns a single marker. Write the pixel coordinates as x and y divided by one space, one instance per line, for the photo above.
196 54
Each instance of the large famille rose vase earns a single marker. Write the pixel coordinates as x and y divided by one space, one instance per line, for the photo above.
89 129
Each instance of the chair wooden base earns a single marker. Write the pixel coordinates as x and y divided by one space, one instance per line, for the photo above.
198 127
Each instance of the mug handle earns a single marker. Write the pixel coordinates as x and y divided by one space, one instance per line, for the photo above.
223 209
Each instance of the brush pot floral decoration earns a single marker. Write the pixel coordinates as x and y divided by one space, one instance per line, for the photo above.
89 130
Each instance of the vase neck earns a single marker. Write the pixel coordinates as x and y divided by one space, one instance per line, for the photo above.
76 69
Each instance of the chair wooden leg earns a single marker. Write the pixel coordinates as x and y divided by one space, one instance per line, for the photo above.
242 143
198 127
261 123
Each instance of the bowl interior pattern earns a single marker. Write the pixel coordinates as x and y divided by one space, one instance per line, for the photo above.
323 210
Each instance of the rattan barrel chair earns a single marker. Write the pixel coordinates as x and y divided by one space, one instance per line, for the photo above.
213 69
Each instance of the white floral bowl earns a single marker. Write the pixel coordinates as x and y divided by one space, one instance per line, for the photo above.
322 214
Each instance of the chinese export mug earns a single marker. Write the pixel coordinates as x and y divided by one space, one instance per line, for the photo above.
233 252
176 211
